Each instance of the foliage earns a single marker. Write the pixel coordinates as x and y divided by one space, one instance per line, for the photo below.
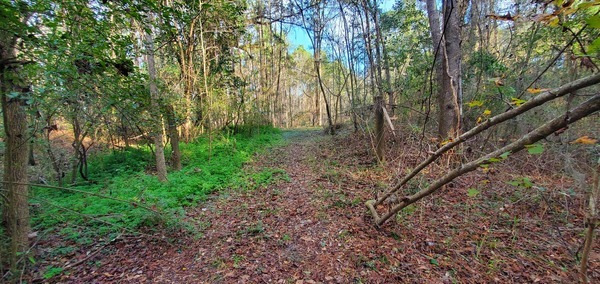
209 166
409 46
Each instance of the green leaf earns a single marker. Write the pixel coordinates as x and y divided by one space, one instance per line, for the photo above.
13 95
593 21
505 155
31 259
523 182
535 149
494 160
434 261
472 192
595 45
526 182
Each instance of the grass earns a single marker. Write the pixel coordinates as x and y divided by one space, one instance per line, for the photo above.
208 166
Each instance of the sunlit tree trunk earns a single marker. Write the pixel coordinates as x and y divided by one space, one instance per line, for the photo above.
351 90
317 40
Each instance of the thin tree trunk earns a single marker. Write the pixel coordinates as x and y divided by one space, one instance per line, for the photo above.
174 138
161 165
591 221
378 105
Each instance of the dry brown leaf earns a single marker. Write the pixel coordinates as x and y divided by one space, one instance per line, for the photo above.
584 140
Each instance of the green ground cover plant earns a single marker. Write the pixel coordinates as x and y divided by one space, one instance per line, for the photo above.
209 164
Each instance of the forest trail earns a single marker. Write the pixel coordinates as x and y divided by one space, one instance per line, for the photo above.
310 226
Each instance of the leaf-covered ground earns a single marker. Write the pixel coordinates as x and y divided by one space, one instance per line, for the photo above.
311 226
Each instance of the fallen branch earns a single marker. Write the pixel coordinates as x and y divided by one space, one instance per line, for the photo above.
586 108
534 102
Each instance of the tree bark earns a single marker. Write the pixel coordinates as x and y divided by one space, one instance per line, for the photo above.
447 50
379 105
12 92
161 165
450 100
591 221
174 138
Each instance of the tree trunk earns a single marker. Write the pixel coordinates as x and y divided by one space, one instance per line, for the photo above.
378 105
174 138
450 100
161 165
16 211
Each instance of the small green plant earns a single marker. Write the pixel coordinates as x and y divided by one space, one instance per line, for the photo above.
237 259
254 230
52 271
523 182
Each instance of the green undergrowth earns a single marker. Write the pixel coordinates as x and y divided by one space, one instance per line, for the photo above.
209 164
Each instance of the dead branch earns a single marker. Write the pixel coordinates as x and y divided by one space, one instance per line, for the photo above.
534 102
590 106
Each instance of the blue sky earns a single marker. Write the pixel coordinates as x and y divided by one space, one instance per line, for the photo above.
297 36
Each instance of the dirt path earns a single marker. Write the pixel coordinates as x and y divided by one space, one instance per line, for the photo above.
312 227
304 228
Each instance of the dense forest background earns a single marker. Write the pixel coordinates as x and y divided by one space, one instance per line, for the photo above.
92 88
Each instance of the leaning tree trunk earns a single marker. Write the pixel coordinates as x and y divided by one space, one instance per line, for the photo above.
16 210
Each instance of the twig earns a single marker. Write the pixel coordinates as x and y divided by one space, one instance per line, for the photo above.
92 254
584 109
534 102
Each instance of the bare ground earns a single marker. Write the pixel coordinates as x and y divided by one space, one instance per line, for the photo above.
312 227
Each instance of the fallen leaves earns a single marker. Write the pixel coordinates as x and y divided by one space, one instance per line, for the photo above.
584 140
317 231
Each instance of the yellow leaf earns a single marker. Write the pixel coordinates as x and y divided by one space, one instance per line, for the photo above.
479 119
475 103
487 112
517 101
584 140
534 91
446 142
